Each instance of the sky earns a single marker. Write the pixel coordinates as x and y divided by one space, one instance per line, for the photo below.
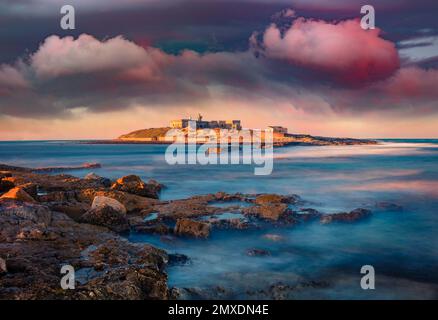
303 64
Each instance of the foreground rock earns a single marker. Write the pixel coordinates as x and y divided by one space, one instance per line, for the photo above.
18 194
108 217
197 229
40 232
38 242
134 185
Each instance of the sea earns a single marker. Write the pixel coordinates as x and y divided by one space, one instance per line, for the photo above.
308 260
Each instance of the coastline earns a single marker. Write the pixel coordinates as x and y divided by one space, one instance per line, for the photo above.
53 220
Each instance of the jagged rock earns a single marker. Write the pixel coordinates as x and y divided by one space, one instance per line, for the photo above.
6 185
30 188
107 216
103 181
102 201
74 210
187 227
3 268
134 185
257 252
19 195
58 196
351 216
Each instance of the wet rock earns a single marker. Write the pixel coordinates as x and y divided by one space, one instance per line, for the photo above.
177 259
3 268
268 211
6 185
107 216
19 195
388 206
188 208
307 214
105 182
187 227
275 198
134 185
159 228
236 223
102 201
255 252
351 216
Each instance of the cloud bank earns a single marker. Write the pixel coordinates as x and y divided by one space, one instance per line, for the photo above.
311 65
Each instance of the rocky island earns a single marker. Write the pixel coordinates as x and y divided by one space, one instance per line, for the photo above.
281 137
48 221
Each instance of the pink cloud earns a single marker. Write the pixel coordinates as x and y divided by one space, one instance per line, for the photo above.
66 56
413 82
343 50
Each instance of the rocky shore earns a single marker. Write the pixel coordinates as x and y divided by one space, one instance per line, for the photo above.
48 221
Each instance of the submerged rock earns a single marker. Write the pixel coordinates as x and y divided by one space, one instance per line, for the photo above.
257 252
351 216
273 237
177 259
134 185
187 227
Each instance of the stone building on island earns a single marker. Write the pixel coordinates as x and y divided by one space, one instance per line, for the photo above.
202 124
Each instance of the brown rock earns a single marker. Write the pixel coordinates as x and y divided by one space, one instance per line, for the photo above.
275 198
108 217
192 228
134 185
268 211
351 216
32 212
132 203
102 201
18 194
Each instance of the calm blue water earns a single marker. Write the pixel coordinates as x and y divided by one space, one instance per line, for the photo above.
402 246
